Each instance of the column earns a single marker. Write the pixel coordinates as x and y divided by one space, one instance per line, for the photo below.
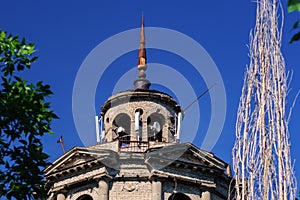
60 196
144 130
137 127
156 190
103 189
205 195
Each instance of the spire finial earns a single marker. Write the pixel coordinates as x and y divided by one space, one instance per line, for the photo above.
142 82
142 59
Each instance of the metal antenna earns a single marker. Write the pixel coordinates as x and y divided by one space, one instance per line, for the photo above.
201 95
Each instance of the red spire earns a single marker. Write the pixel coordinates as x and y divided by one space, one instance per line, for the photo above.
142 82
142 59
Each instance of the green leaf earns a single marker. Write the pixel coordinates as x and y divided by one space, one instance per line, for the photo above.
296 24
293 5
20 67
295 37
2 35
23 42
33 59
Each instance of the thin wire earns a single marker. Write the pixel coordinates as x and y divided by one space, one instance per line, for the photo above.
201 95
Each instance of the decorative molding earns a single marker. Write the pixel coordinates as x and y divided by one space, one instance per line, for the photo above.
130 187
201 182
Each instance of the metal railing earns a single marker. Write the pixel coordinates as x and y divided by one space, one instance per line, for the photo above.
133 146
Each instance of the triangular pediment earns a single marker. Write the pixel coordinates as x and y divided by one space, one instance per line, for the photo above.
79 156
185 154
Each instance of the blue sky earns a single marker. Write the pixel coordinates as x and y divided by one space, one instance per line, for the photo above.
66 32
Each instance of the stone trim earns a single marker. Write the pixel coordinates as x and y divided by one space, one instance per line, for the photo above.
200 182
90 176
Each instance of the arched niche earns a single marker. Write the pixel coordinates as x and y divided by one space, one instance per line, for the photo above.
179 196
85 197
122 126
155 124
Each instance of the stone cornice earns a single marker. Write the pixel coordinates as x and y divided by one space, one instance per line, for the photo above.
140 95
186 179
81 179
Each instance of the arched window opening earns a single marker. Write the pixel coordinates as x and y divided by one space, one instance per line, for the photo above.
139 110
155 123
121 127
179 196
85 197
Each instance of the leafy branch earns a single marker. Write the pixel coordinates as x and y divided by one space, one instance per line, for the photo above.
25 117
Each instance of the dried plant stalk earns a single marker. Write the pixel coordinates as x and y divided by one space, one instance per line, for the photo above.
261 154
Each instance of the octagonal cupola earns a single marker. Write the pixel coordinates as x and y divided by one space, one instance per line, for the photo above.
141 114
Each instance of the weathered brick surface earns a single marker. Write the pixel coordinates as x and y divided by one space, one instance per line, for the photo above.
90 189
169 187
130 190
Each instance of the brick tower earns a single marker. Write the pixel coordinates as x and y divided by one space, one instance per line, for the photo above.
140 156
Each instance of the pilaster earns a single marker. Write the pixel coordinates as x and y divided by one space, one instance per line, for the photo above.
156 190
